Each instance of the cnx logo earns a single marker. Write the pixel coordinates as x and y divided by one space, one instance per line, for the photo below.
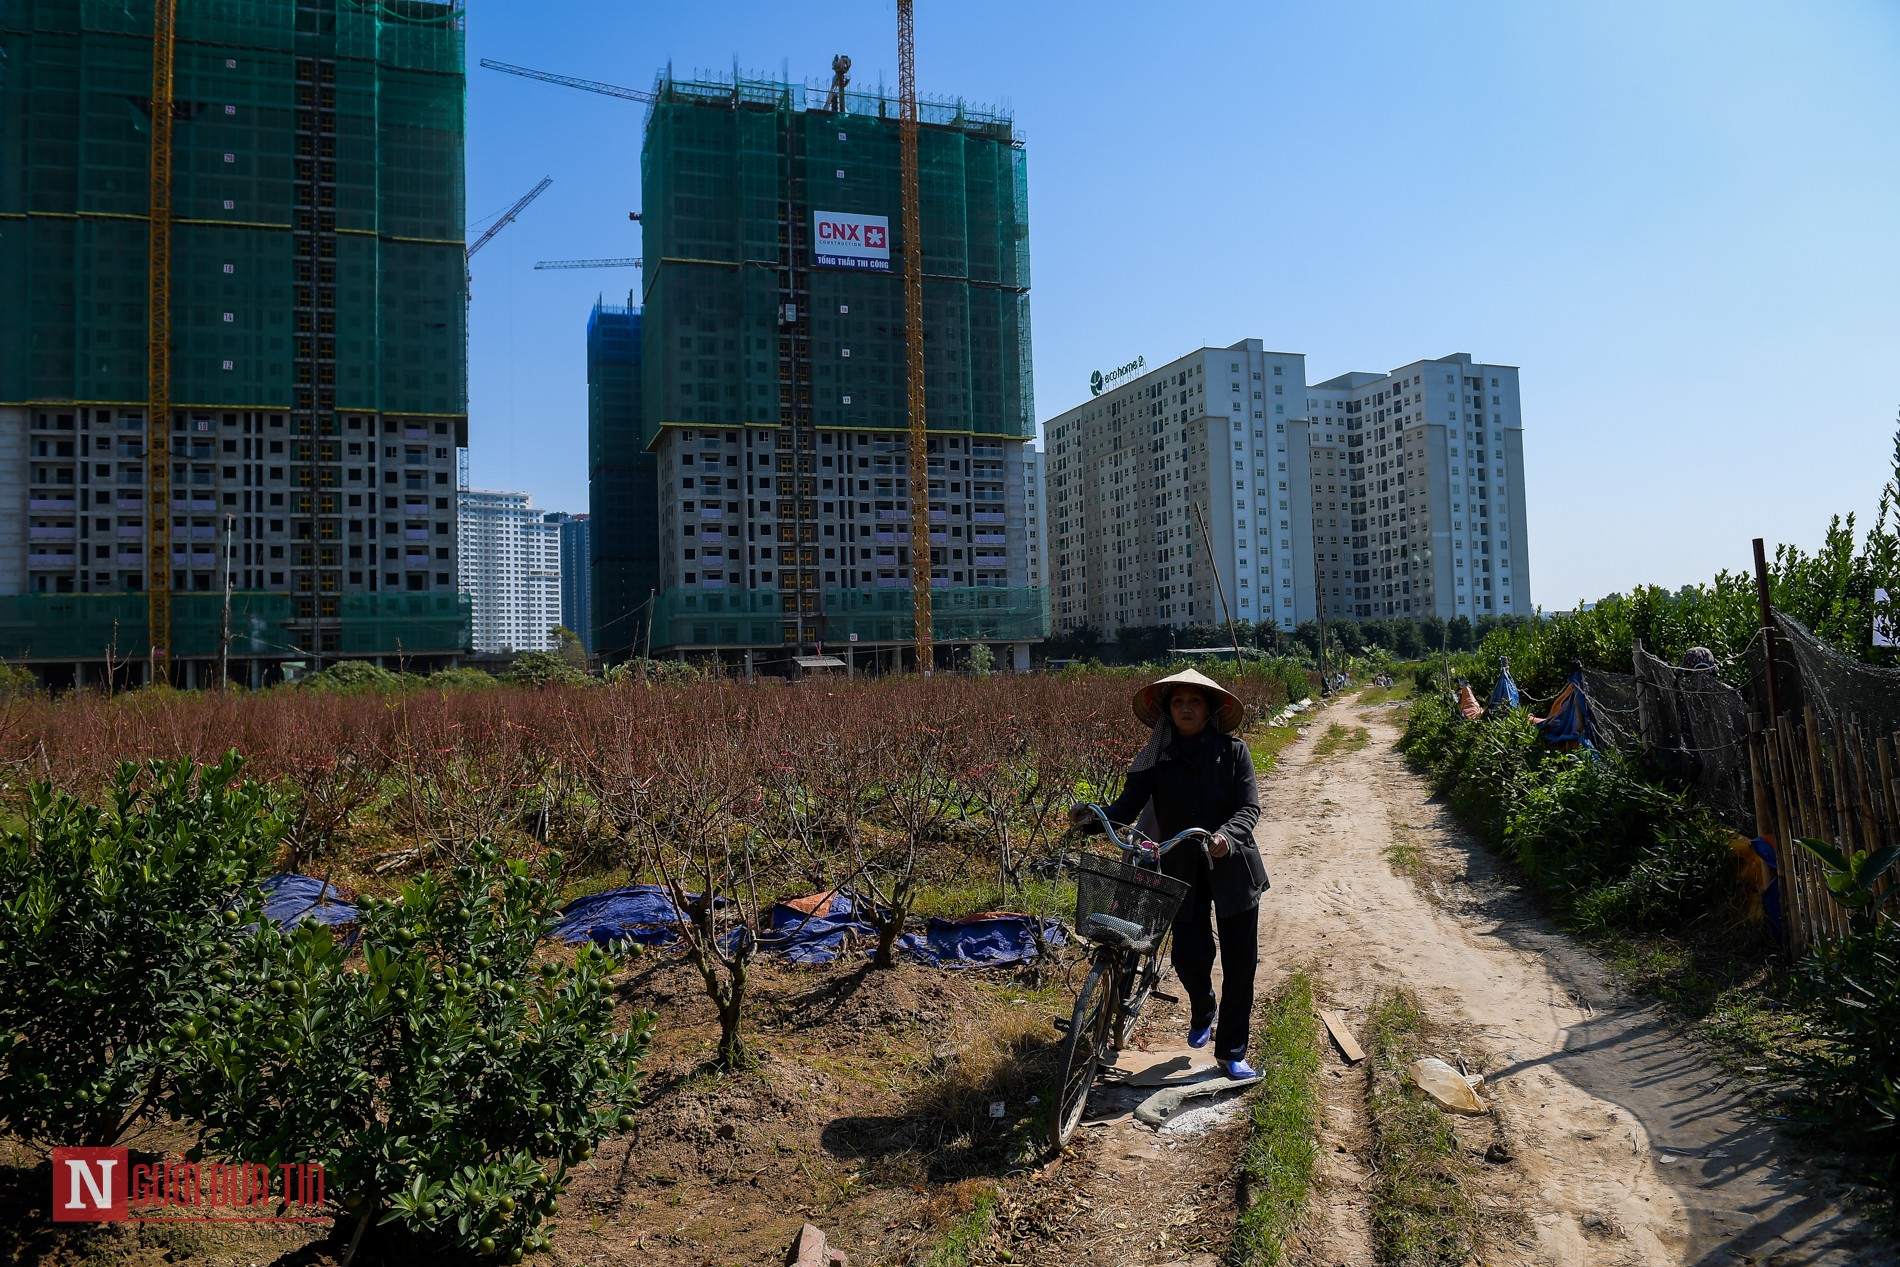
874 236
1100 380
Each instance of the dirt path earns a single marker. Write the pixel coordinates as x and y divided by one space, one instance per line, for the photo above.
1629 1146
1626 1145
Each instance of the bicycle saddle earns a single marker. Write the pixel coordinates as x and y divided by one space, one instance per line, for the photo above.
1117 932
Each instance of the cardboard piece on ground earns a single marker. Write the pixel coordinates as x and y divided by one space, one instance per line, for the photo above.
1153 1068
1336 1026
1164 1104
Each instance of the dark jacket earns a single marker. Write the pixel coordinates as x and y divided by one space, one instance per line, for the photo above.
1208 782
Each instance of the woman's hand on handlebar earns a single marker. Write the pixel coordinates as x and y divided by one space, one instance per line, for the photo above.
1217 846
1083 817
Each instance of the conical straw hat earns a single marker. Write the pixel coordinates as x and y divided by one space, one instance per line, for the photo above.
1229 712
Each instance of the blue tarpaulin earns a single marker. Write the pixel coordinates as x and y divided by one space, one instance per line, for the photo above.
1569 720
980 941
643 913
817 937
1504 694
289 898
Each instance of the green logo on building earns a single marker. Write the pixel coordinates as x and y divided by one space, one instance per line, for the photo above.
1095 383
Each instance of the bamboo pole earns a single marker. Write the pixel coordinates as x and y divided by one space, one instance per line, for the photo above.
1787 823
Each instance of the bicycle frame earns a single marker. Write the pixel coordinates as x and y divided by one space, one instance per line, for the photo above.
1119 983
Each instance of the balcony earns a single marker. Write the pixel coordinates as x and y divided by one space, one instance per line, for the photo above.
415 433
196 532
50 503
711 514
713 536
415 508
893 538
989 516
416 560
194 503
129 503
130 560
991 561
36 559
51 532
415 534
939 538
990 539
131 532
195 559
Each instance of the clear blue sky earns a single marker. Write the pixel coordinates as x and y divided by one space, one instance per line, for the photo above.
1681 220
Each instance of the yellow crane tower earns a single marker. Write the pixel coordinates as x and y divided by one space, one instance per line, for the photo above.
920 575
158 460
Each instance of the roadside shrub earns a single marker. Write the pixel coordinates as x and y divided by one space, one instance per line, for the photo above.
542 669
1584 821
1686 869
446 1084
351 677
116 925
1851 988
460 679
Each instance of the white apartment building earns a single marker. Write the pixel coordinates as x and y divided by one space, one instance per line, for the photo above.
1222 429
510 569
1380 495
1418 491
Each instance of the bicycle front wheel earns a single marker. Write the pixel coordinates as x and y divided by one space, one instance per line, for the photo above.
1081 1053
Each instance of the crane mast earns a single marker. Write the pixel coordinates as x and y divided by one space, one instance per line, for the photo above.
158 464
920 575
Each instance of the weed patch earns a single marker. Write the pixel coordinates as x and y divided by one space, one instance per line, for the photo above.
1422 1212
1339 738
1277 1168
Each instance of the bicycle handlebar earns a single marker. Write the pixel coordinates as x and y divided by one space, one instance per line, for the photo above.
1143 847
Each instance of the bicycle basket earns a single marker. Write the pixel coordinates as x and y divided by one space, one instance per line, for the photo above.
1107 886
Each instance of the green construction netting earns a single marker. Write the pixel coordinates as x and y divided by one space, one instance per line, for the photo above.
622 479
95 626
729 169
759 618
75 137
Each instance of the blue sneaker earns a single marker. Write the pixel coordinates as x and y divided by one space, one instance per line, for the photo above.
1198 1035
1239 1070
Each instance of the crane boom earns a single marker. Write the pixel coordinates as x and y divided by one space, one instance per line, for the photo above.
508 215
629 262
569 81
921 576
158 383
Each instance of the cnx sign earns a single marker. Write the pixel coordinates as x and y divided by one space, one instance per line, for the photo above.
847 240
1101 380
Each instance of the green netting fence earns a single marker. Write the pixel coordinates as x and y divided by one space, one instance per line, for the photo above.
760 618
101 626
75 137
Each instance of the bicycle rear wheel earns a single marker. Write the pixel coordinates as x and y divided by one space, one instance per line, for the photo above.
1081 1053
1147 976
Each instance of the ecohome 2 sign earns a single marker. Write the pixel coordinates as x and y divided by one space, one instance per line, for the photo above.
1100 382
843 239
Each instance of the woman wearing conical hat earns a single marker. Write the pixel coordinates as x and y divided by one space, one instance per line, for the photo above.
1198 773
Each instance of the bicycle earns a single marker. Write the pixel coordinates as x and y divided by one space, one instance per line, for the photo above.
1124 910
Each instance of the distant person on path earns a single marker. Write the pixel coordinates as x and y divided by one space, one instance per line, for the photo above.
1199 773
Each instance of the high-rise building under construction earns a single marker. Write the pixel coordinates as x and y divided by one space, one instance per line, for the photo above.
316 386
773 379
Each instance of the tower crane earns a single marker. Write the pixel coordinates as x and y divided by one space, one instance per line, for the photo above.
920 578
158 348
508 216
627 262
569 81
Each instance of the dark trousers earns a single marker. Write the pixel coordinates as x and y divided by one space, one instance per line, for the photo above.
1194 932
